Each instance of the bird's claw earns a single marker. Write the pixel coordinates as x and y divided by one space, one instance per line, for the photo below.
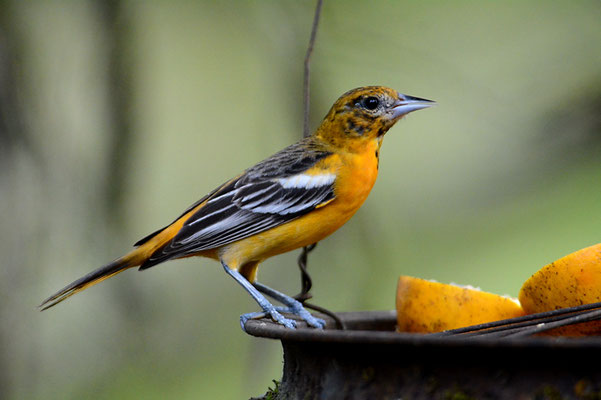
305 315
275 315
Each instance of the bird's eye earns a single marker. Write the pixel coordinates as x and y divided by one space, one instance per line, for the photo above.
371 103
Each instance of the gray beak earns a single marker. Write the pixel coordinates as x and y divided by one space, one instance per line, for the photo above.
406 104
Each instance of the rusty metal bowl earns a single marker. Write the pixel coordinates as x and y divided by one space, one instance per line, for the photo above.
369 360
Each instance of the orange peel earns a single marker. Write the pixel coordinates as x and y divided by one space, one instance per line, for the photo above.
570 281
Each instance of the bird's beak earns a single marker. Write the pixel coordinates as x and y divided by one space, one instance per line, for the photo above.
406 104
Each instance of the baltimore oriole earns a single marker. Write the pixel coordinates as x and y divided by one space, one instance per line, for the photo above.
292 199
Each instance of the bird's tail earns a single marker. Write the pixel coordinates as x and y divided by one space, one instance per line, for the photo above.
98 275
138 256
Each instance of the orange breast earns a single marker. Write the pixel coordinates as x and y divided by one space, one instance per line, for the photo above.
356 175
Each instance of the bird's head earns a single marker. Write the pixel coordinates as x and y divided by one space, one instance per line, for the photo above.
366 113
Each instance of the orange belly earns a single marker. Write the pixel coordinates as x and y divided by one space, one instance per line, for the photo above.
351 189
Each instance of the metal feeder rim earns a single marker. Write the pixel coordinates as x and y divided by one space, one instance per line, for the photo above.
377 327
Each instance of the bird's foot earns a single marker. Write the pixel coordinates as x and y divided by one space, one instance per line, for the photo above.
300 311
275 315
291 306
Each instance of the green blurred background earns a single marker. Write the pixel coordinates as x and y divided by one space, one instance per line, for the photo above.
116 115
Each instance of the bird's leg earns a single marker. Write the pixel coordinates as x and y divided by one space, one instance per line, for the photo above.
268 308
292 306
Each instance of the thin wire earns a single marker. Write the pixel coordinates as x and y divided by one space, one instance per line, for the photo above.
339 324
306 281
307 71
530 324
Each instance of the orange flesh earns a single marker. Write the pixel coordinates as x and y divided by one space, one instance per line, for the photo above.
426 307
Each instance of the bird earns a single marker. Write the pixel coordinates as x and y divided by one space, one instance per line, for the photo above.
292 199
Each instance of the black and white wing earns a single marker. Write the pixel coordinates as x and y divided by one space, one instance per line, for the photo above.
271 193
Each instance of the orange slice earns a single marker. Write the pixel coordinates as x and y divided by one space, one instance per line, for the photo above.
570 281
425 306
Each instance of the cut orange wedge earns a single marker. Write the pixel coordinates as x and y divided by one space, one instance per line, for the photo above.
570 281
425 306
